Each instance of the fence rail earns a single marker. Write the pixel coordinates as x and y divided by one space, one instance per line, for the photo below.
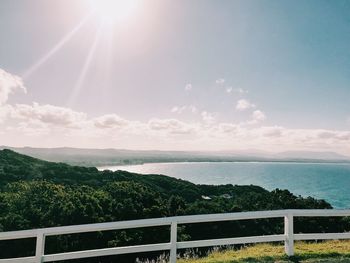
288 237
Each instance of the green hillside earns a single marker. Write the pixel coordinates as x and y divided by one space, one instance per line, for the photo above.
36 193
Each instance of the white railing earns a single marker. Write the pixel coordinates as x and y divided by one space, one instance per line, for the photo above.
288 237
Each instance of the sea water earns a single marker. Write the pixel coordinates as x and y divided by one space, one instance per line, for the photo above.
330 182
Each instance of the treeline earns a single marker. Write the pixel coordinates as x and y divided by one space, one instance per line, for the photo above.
37 194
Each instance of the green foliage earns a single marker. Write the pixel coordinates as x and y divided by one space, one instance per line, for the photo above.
36 194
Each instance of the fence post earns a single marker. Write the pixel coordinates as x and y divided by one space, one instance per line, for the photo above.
40 247
173 242
289 233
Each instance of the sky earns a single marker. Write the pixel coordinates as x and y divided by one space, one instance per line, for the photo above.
270 75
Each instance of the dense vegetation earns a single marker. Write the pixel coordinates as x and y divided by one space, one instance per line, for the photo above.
36 193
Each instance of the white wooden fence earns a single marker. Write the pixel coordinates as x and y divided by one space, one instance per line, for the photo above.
288 237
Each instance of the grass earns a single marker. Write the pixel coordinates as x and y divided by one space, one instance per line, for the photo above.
330 251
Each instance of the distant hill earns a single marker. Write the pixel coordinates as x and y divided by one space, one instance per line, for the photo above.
311 155
102 157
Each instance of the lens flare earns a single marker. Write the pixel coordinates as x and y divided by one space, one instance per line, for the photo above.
111 11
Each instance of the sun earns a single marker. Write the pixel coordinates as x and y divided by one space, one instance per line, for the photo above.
112 11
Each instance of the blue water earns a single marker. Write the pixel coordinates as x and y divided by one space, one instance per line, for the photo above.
323 181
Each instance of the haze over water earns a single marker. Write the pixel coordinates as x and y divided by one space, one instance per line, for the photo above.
320 180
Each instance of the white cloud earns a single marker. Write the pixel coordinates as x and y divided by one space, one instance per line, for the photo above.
241 91
331 135
192 108
220 81
229 89
243 105
258 116
5 111
9 83
228 127
176 109
51 126
188 87
110 121
180 109
207 117
273 132
49 114
56 125
32 128
172 126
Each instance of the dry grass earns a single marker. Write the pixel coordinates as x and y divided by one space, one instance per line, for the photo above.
330 251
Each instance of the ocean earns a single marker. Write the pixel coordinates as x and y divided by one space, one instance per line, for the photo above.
330 182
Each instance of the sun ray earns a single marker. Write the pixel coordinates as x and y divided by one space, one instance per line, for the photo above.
55 49
106 54
76 90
